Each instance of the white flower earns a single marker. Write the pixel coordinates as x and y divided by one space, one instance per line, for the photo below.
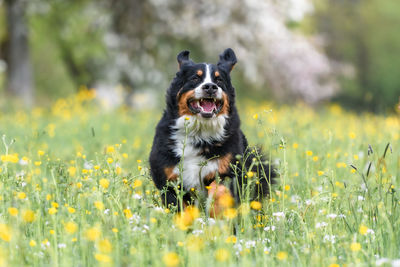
329 238
382 261
278 215
360 198
137 196
309 202
331 216
269 228
250 243
87 165
370 231
197 232
321 224
61 245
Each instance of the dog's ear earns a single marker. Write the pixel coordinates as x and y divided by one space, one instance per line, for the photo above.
227 60
183 58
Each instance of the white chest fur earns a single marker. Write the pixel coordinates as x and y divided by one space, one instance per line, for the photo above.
192 130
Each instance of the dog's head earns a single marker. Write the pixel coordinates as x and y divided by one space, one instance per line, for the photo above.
202 89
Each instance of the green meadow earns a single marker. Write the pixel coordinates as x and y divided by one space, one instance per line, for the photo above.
76 191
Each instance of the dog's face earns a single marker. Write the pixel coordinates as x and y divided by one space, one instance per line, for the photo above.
204 90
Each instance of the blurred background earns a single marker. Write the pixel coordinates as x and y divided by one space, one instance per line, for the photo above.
345 51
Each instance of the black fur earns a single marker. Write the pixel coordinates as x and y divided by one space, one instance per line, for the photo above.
234 143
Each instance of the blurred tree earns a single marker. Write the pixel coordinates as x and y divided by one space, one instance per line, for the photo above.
364 34
19 71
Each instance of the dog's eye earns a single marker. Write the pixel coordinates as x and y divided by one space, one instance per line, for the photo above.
218 79
195 78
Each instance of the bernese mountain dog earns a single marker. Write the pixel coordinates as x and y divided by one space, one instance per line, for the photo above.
198 148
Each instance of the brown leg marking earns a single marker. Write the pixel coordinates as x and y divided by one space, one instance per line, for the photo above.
169 172
223 163
222 199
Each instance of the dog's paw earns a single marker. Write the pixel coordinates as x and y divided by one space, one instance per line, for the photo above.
220 199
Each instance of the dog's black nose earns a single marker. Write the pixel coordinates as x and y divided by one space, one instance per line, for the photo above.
210 88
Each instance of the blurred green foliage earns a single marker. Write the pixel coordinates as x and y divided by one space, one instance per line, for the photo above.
68 48
366 35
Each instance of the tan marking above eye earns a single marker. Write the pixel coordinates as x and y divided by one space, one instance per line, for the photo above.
199 72
216 74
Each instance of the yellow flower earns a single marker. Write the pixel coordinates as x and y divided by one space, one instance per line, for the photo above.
128 213
309 153
92 234
255 205
320 173
72 171
124 155
115 230
137 183
71 227
194 243
102 258
231 239
118 170
32 243
186 218
334 265
295 145
282 255
48 197
315 158
104 183
363 229
352 135
250 174
110 160
171 259
37 163
221 254
71 210
21 195
230 213
226 200
54 204
78 185
255 116
287 187
355 246
105 246
110 149
40 153
13 211
52 211
28 216
52 232
5 232
99 205
10 158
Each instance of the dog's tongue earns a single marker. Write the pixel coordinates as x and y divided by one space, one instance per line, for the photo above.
208 106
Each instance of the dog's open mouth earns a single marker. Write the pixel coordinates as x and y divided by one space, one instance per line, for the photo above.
207 107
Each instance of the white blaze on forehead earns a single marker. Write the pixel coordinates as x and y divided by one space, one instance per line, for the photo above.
198 91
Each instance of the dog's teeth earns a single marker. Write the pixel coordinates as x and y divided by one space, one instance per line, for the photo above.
214 99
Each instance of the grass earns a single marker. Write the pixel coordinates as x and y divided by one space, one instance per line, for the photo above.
76 191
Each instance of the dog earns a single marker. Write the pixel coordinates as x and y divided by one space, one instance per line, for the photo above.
198 145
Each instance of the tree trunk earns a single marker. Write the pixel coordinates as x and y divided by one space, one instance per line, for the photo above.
19 71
